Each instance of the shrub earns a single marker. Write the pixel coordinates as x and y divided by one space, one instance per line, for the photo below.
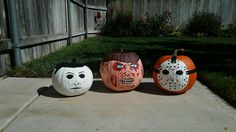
230 31
204 24
121 25
125 25
141 28
154 25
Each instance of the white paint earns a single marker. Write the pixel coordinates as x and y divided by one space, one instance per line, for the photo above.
172 81
72 81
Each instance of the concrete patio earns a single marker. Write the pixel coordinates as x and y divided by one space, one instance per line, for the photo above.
32 105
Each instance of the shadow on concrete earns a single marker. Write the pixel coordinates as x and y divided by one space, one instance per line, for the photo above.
150 88
50 92
98 86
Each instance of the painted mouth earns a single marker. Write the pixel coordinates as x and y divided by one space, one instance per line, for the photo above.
127 81
76 88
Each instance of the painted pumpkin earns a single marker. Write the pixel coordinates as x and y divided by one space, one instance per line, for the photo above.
175 74
70 79
121 71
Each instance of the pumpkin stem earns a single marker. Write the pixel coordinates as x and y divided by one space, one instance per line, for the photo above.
177 50
174 57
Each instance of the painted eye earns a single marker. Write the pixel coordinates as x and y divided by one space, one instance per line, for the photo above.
179 72
118 66
81 75
134 65
69 76
165 72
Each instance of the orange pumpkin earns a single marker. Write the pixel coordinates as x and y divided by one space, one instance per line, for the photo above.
175 74
121 71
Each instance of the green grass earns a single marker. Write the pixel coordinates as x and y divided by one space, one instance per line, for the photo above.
213 57
222 84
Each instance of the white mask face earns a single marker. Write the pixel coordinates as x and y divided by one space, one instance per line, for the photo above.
72 81
173 76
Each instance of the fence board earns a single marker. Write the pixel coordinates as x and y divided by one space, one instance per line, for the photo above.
181 10
77 19
42 26
41 50
3 25
4 63
44 17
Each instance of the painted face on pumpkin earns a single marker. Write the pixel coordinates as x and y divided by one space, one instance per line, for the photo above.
173 76
71 81
122 74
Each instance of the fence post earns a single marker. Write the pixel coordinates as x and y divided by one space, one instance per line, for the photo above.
14 33
86 18
69 22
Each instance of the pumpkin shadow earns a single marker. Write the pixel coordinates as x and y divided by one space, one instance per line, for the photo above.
50 92
98 86
150 88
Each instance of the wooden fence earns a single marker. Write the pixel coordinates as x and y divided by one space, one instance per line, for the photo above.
30 29
181 10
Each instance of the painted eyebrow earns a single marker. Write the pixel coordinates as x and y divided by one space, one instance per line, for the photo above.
81 72
69 73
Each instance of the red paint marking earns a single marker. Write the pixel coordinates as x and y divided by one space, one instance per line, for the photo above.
113 81
136 68
131 69
125 66
133 74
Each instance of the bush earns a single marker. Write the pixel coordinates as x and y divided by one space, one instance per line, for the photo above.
125 25
141 28
230 31
204 24
121 25
154 25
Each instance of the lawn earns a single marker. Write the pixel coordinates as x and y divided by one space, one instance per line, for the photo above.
213 57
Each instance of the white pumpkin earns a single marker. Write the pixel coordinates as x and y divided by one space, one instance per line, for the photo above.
71 80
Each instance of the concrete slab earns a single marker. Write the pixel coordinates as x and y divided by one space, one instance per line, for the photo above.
144 109
15 93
